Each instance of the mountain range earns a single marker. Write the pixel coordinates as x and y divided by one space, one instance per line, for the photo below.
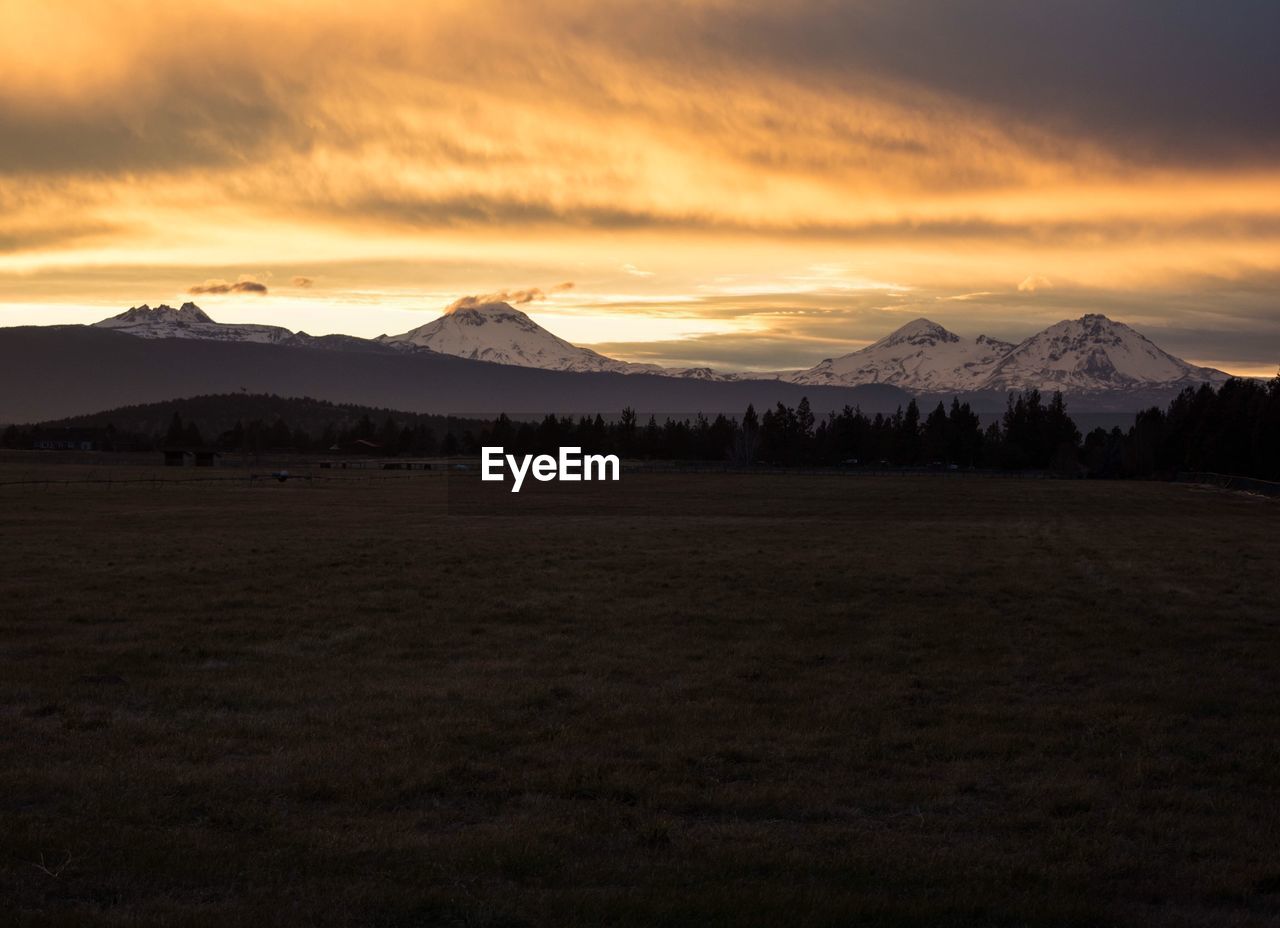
1091 354
483 357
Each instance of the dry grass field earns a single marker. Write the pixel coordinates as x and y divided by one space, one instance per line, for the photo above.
722 701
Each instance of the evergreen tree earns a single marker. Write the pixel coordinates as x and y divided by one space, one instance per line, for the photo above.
908 435
936 442
177 431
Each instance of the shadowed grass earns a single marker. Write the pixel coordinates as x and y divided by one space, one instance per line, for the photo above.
732 701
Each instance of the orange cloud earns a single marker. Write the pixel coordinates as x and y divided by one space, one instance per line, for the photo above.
1035 282
664 149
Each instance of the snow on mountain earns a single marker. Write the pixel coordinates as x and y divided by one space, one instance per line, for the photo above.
708 373
1090 354
189 321
499 333
920 355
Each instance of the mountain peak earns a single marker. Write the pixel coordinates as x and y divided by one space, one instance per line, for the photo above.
1093 353
186 314
920 355
188 321
1097 322
469 312
480 306
1089 354
919 331
493 330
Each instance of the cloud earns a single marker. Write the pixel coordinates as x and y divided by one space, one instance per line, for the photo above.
924 142
27 238
1195 317
514 297
1048 224
215 285
303 282
1033 283
1166 80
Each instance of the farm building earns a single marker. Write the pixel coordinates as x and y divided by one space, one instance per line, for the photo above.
191 457
68 439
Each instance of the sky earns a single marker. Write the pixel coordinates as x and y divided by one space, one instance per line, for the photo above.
747 185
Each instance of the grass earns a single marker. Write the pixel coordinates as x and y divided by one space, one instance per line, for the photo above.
703 700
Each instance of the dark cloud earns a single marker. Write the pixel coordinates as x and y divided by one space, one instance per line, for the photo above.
1157 80
1175 81
221 286
303 282
481 210
187 121
420 212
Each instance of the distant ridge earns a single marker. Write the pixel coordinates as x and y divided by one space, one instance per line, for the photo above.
1092 354
219 412
1089 355
49 372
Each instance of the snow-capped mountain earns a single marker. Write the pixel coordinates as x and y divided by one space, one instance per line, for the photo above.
497 332
189 321
501 334
920 355
1089 354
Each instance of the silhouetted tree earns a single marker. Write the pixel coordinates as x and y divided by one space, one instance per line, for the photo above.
177 433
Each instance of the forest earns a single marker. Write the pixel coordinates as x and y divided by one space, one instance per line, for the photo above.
1234 429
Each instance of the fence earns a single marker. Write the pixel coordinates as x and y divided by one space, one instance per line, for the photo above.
756 470
1225 481
365 472
241 479
1230 482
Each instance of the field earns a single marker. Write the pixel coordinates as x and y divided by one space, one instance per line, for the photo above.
722 701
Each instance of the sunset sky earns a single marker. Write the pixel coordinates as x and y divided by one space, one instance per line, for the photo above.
740 184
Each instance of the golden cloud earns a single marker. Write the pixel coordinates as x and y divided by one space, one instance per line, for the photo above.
637 147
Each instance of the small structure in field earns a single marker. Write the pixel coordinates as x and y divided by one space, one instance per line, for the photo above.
69 439
179 457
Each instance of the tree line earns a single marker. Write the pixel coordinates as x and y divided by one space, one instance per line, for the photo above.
1234 429
1031 434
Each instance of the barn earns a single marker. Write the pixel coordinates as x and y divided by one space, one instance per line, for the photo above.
68 439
